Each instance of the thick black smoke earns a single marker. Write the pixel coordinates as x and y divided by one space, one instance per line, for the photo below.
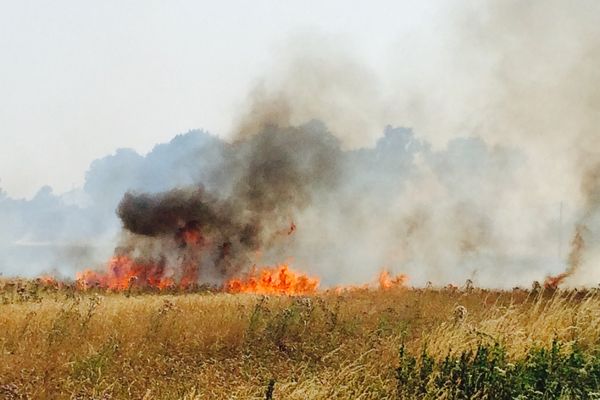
262 182
169 212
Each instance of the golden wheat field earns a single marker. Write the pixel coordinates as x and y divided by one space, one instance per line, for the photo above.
67 344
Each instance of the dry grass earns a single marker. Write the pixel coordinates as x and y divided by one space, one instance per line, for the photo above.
65 344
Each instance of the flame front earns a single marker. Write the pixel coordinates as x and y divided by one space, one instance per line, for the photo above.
123 273
278 280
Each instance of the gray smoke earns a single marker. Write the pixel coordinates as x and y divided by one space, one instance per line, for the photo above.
268 179
496 182
399 205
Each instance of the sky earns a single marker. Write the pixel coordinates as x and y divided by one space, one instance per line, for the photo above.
79 80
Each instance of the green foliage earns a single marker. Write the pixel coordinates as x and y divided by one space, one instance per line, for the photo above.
558 372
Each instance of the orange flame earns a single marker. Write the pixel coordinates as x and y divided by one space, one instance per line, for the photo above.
192 238
123 273
386 281
349 288
552 282
278 280
49 281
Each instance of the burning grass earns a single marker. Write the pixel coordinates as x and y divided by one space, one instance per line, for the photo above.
60 342
278 280
123 273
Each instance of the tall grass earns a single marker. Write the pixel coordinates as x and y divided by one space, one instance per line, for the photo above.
369 344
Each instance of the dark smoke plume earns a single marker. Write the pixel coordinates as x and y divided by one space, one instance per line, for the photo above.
263 180
164 213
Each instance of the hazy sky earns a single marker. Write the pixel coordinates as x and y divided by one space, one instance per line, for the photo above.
79 79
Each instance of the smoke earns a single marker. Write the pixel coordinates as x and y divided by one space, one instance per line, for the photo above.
317 77
287 193
549 98
584 253
497 181
516 75
269 178
524 79
520 76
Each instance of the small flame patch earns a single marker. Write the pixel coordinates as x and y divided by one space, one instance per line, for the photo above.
386 281
277 280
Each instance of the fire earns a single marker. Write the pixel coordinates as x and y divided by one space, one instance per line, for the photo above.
190 276
123 273
574 261
278 280
552 282
49 281
386 281
191 237
350 288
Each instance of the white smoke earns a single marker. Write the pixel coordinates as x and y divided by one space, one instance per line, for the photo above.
489 187
441 216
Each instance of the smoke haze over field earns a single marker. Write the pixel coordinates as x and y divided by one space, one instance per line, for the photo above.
497 180
438 215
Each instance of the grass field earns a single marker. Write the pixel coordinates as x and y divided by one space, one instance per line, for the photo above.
360 344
